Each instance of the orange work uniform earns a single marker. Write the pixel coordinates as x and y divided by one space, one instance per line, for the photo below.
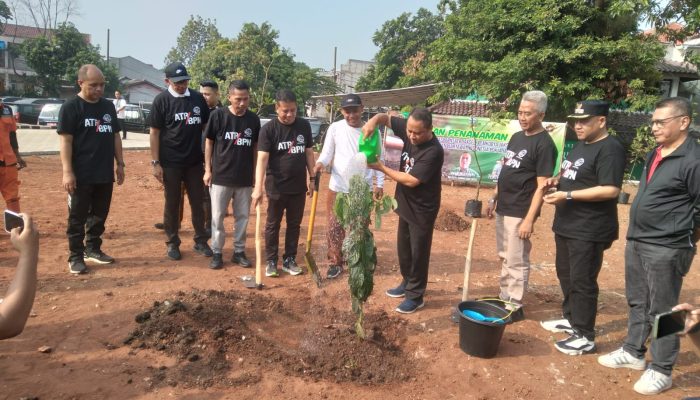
9 181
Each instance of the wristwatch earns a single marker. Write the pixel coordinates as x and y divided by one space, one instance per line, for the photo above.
155 162
568 196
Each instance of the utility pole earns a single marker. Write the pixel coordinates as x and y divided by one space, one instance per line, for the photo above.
107 44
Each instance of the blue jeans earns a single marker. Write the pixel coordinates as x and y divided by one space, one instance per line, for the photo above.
653 279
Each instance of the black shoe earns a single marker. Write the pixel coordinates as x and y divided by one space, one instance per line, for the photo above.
290 266
216 261
174 252
517 315
98 256
203 249
241 259
77 267
271 269
159 225
397 292
334 271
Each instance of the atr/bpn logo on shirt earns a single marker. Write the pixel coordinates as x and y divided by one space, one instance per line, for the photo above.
240 139
514 161
569 170
188 118
99 125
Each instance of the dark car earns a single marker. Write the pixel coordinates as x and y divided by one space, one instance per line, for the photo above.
49 114
29 109
318 129
136 118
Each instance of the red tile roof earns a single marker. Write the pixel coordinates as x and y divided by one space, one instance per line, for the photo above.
465 107
29 32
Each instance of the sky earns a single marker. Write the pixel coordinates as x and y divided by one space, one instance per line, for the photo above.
146 29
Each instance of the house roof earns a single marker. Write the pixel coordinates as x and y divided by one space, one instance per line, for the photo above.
29 32
472 108
134 82
390 97
678 67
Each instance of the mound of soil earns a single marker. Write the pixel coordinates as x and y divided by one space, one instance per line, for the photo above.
449 221
228 338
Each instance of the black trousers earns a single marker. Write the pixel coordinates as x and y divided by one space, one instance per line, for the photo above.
578 263
88 207
192 178
294 205
414 244
121 123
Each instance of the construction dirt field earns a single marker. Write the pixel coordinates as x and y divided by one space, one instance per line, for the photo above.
150 328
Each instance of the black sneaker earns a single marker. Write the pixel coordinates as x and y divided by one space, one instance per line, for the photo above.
517 315
271 269
159 225
174 252
77 267
290 266
98 256
575 345
203 249
397 292
334 271
216 261
241 259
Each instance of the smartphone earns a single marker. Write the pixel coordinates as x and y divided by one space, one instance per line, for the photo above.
668 323
13 220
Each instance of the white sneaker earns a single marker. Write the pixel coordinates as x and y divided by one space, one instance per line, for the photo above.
622 359
557 326
575 345
652 382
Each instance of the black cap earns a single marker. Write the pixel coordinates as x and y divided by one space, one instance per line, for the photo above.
590 108
350 100
176 72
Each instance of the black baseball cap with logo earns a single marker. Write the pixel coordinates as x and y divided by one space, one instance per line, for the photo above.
590 108
350 100
176 72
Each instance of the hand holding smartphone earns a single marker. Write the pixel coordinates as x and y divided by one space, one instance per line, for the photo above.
13 220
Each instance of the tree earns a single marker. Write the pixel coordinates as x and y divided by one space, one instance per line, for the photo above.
255 56
570 49
46 14
661 13
403 44
5 15
56 59
194 36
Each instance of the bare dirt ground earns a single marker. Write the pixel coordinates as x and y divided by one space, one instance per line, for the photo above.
202 335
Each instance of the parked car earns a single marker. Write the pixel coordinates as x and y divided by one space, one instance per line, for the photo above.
15 111
318 129
10 99
49 115
136 118
29 109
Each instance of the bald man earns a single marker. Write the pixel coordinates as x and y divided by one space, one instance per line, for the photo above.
90 144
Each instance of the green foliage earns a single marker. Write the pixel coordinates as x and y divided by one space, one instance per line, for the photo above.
56 59
5 15
353 210
194 36
641 145
661 13
404 44
255 56
570 49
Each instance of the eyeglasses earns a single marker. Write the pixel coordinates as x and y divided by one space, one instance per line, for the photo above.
662 122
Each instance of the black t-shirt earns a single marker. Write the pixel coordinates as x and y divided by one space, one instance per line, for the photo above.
589 165
232 153
181 121
526 158
92 126
419 205
287 144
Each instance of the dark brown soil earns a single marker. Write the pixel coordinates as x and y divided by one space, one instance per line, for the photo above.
215 336
448 221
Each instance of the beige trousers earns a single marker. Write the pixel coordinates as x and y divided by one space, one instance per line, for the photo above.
515 255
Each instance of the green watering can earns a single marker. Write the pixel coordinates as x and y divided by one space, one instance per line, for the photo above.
371 147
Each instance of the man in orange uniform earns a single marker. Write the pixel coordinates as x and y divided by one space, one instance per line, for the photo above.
10 160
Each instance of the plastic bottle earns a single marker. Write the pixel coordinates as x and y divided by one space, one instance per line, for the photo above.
371 147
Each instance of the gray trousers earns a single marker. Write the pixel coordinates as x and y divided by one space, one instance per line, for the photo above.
221 196
515 254
653 279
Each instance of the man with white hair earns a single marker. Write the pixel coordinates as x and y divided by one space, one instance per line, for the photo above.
516 202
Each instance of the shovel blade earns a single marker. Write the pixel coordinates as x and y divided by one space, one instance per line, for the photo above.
313 269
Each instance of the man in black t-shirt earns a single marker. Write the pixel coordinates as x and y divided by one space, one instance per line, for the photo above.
178 116
585 222
229 162
285 154
528 162
418 192
210 91
90 143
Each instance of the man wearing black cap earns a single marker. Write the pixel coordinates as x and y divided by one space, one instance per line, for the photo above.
585 222
178 117
339 147
662 240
